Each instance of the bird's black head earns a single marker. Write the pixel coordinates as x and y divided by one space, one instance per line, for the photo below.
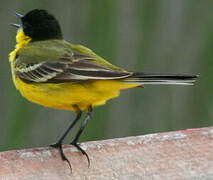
40 25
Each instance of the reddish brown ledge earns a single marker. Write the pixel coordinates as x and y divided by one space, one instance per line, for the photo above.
186 154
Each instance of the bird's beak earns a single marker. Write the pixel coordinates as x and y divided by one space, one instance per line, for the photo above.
19 16
15 25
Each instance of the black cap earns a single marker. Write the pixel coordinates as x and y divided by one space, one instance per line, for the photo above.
40 25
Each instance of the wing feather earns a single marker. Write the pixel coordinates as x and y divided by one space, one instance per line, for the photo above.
67 69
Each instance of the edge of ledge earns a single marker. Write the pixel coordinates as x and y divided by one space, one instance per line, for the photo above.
111 156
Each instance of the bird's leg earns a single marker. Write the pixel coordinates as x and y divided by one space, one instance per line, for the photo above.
58 144
76 138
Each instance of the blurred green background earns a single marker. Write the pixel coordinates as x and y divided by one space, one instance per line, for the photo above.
140 35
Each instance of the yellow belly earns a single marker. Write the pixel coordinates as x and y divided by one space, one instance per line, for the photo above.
69 95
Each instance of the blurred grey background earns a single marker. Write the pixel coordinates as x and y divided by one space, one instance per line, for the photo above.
140 35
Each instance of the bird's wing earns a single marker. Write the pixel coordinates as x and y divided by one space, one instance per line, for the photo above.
69 68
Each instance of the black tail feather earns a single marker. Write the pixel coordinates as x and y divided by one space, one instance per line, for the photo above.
161 78
163 75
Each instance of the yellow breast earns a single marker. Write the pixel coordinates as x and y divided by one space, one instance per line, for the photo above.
69 95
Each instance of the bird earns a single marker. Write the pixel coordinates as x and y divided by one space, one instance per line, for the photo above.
49 71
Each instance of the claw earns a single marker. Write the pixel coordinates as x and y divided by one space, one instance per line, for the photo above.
82 151
63 157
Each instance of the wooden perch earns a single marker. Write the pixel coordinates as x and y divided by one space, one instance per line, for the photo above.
186 154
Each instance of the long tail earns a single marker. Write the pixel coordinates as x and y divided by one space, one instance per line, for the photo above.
161 78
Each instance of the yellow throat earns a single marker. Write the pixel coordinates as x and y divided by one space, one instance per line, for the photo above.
21 40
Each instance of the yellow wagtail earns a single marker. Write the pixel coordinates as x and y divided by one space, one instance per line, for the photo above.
52 72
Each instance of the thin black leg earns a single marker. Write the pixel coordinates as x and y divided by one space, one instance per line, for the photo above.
58 144
76 138
67 131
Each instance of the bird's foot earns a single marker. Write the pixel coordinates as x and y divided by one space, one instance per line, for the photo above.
74 143
58 145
